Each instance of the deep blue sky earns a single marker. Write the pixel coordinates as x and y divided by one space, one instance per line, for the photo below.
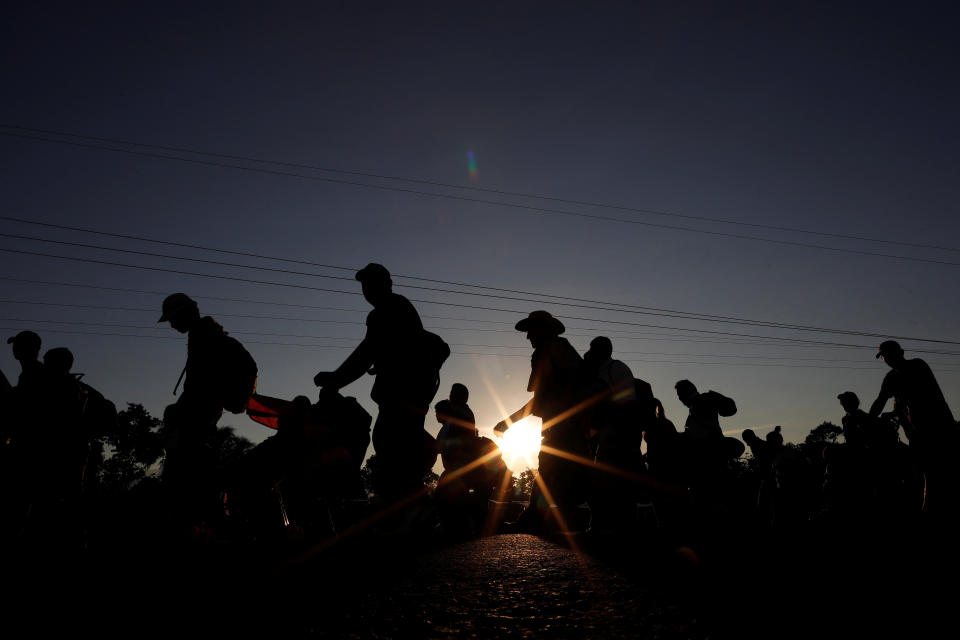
821 118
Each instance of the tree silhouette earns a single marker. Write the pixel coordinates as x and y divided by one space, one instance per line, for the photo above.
132 447
523 485
822 434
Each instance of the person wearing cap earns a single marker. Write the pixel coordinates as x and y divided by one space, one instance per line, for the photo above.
191 422
556 381
403 388
927 422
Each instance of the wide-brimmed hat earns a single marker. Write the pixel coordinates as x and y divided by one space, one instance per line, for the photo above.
174 303
541 320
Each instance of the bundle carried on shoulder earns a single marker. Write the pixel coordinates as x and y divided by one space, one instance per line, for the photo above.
725 406
238 371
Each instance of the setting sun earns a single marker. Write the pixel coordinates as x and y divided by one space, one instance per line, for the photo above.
520 445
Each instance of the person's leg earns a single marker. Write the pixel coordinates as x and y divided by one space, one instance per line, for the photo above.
399 445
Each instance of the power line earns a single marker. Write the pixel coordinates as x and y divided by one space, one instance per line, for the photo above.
700 317
531 208
311 288
258 317
500 355
649 310
502 192
453 344
625 335
454 304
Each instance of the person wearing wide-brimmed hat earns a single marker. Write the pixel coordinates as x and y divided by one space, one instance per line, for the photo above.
928 423
557 386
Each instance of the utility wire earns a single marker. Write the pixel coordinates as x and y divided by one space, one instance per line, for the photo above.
501 192
472 353
142 309
690 314
623 335
452 344
454 304
531 208
747 322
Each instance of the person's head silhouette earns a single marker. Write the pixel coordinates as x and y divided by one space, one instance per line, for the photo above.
180 311
376 283
540 326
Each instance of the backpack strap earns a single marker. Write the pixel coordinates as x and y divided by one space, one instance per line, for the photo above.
179 380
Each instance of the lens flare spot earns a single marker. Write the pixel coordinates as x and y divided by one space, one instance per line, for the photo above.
472 167
520 445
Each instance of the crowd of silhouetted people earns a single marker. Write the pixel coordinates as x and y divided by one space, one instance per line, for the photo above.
611 461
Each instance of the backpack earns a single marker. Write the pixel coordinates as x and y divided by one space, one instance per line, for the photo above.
725 406
434 350
238 375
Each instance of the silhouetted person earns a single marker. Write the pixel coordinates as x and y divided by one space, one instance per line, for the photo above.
463 488
26 350
775 439
557 387
615 416
661 438
704 445
406 363
25 421
927 422
458 437
763 455
62 447
189 469
705 409
758 448
617 436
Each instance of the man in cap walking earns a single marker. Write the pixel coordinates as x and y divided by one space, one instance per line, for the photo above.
404 387
191 422
927 422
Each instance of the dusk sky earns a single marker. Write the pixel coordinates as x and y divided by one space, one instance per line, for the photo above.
689 177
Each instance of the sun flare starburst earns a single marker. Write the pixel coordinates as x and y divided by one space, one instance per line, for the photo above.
520 445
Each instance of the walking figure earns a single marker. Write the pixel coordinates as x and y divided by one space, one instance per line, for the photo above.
219 374
557 387
927 422
406 360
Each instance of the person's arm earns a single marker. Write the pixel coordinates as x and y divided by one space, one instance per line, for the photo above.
516 416
356 364
886 392
877 407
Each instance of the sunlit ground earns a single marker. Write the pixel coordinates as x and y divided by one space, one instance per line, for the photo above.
520 445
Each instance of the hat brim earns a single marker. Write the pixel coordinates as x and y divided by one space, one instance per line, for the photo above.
530 324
